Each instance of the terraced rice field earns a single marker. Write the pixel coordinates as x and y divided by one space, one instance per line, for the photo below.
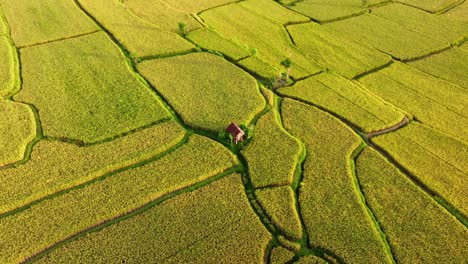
113 146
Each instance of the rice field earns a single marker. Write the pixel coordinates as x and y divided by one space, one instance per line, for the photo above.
114 145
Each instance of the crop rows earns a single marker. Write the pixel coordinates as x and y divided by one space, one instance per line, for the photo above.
111 113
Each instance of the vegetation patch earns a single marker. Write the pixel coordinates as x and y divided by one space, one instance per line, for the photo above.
56 166
272 153
330 207
415 19
161 14
190 6
17 130
210 40
417 228
310 260
213 224
434 102
272 10
207 91
449 65
34 22
346 99
7 75
335 51
260 68
22 234
388 36
280 204
431 6
458 13
329 10
84 90
139 37
435 159
280 255
268 37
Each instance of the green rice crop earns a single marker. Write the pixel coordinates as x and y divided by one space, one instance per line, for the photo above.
328 10
259 67
272 154
190 6
335 51
17 129
415 19
272 10
331 209
197 86
431 6
399 41
161 14
450 65
459 13
418 229
346 99
84 90
34 22
432 101
435 159
280 204
140 37
269 96
310 260
209 39
55 166
255 31
22 234
374 2
7 76
213 224
464 46
280 255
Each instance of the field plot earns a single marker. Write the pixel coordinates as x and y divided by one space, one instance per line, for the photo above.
432 6
412 18
161 14
268 36
272 154
331 209
210 40
75 211
190 6
435 102
280 255
34 22
404 42
346 99
17 130
449 65
430 236
280 204
458 13
435 159
336 52
212 224
196 85
139 37
7 76
57 166
114 145
88 94
329 10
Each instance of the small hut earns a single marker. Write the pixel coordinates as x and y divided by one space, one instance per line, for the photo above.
236 132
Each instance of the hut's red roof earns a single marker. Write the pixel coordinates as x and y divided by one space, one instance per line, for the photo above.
235 130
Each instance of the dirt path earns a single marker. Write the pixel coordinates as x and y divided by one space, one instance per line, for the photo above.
401 124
